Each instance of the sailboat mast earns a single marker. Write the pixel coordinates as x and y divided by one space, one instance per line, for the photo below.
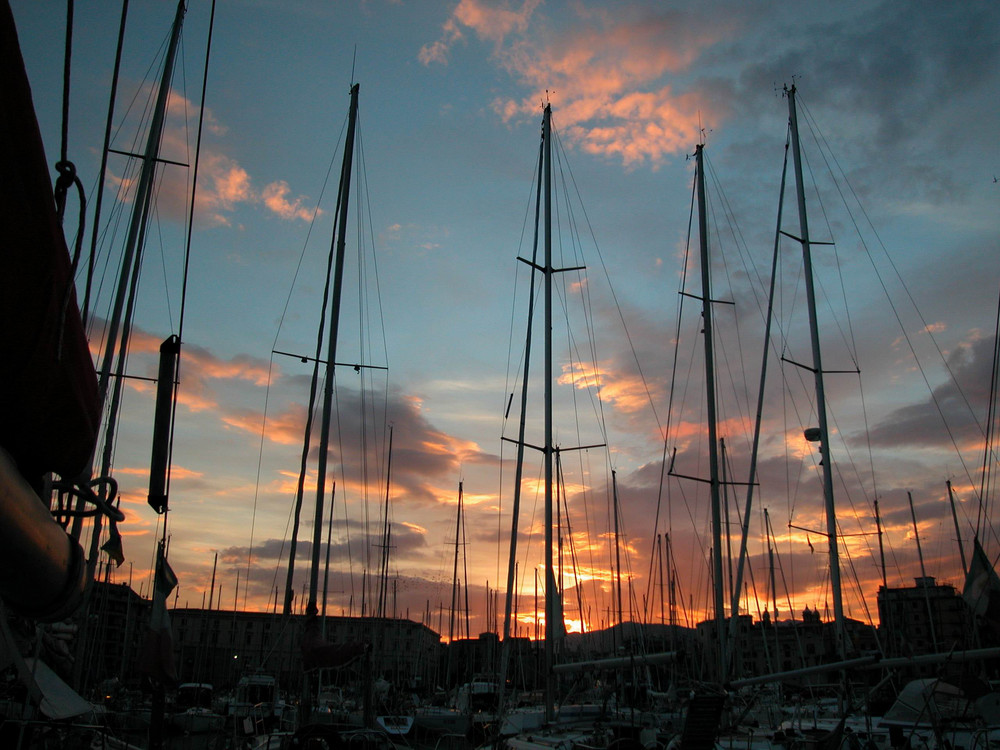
454 570
671 601
958 531
144 194
659 572
618 554
710 412
338 283
881 545
551 592
519 471
386 531
923 571
770 566
817 368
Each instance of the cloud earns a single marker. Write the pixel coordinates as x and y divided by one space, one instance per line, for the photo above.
951 408
224 185
435 52
491 22
275 197
284 428
603 69
623 389
908 55
495 22
414 236
199 371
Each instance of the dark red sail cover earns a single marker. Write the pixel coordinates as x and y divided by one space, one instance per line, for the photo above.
48 387
318 653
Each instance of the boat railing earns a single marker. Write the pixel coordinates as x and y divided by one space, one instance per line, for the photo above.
452 741
255 722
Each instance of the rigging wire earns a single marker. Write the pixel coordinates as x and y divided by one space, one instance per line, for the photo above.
665 431
193 187
986 486
831 162
589 374
925 327
102 172
310 410
365 339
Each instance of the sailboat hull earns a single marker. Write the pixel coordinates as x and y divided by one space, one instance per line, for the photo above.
50 565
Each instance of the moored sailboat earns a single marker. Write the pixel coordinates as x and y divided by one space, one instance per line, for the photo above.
61 406
598 718
846 718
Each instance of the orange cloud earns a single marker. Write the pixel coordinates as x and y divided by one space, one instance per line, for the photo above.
195 402
179 472
798 447
443 444
223 184
624 391
241 368
198 367
491 22
581 376
173 187
275 197
494 22
480 499
284 429
435 52
288 483
603 68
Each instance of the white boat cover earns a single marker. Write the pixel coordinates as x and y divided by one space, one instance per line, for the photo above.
926 701
59 700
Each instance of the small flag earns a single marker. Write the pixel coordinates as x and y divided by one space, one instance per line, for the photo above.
982 587
157 657
114 545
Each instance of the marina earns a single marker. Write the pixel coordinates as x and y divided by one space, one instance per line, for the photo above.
723 457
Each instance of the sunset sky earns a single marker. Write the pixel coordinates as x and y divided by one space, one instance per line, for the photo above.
897 99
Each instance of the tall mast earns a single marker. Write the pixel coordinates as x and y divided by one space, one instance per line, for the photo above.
755 445
386 534
140 210
710 413
553 608
923 571
618 554
454 572
881 545
551 591
118 333
671 592
770 565
662 561
519 470
817 368
958 531
338 283
326 561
